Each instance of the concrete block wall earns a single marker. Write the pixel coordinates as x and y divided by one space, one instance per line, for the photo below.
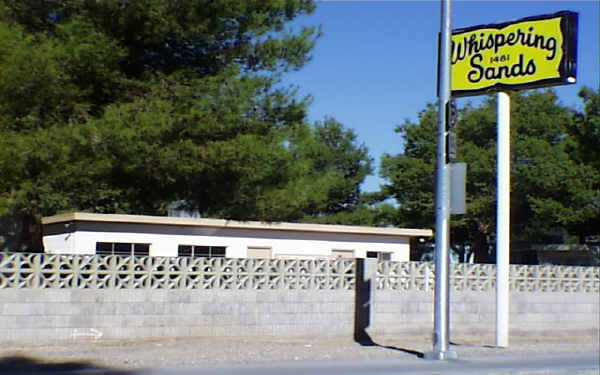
473 314
47 315
39 304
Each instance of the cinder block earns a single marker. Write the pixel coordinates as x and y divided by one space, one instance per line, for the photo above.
347 307
297 307
179 296
88 308
538 318
87 295
143 308
33 295
161 308
414 318
226 296
281 307
384 296
9 321
203 295
10 295
22 308
57 321
123 308
575 317
466 318
158 321
172 308
281 329
220 308
248 295
312 296
51 321
425 307
245 307
415 295
10 335
338 295
114 295
34 335
62 334
387 317
193 308
581 308
158 295
119 333
146 332
486 307
81 321
202 331
54 295
281 319
391 308
251 318
224 331
104 321
107 308
470 307
265 296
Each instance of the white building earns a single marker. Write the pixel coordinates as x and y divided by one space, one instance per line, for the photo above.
86 233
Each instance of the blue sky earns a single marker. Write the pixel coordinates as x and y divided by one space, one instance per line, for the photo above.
376 64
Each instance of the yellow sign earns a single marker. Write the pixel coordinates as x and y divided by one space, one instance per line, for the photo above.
532 52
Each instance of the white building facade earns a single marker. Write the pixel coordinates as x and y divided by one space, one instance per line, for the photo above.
104 234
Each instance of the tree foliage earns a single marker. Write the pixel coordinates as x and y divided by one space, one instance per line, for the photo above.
555 179
123 106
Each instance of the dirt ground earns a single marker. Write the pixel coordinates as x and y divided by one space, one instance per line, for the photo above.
183 352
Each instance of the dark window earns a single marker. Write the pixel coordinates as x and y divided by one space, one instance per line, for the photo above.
201 251
379 255
184 251
141 249
217 251
104 248
385 256
122 248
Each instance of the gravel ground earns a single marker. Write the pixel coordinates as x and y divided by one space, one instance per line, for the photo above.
183 352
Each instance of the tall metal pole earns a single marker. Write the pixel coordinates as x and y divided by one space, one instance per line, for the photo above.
503 220
442 197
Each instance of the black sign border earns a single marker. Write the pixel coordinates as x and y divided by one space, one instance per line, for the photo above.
567 66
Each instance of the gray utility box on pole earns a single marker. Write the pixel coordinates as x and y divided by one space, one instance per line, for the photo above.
458 188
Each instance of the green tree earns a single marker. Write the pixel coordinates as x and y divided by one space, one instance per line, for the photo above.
586 132
112 106
554 189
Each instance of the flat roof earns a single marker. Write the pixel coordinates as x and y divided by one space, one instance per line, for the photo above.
219 223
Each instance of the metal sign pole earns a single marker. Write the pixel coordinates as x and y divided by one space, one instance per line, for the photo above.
503 220
442 198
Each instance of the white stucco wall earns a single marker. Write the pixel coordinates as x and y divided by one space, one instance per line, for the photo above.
84 242
62 243
164 239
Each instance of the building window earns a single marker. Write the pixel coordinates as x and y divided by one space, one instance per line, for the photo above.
122 248
342 254
201 251
380 255
256 252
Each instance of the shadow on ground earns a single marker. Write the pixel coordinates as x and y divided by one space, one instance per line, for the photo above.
362 312
25 365
416 353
